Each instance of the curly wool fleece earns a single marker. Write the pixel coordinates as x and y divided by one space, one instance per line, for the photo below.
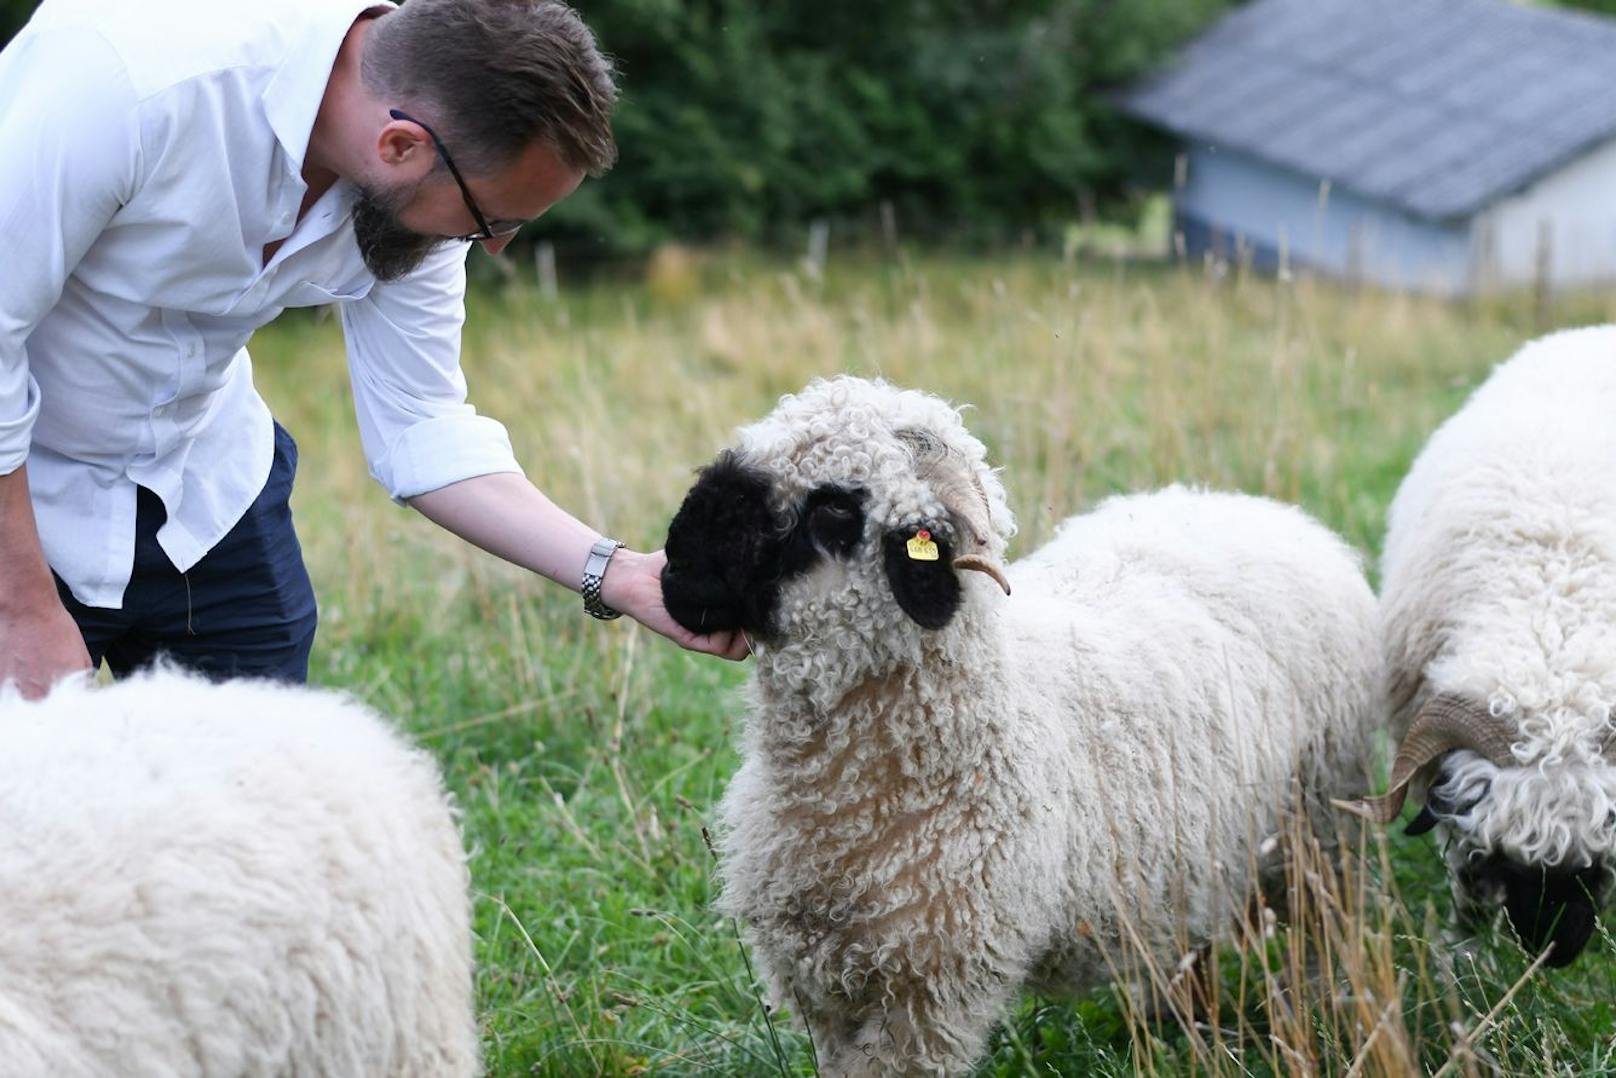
227 880
926 822
1499 586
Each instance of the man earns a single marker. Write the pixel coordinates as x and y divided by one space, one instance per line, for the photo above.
172 176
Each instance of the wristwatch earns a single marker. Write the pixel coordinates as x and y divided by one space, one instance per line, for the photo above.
594 574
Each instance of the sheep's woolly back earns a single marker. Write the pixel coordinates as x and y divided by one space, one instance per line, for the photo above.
1251 621
1499 584
1099 763
226 880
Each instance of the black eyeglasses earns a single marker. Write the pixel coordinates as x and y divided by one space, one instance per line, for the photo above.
484 232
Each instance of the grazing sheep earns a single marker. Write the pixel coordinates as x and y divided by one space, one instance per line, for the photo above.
1498 606
949 793
240 879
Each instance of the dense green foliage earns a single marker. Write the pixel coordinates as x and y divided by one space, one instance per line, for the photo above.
741 119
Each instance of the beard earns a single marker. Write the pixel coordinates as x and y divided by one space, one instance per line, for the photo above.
389 249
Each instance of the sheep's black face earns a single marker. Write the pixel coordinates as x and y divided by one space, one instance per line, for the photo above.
1545 902
1545 905
729 553
723 552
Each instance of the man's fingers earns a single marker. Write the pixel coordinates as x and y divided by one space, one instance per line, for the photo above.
731 646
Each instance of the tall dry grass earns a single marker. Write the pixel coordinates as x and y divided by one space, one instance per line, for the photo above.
1352 979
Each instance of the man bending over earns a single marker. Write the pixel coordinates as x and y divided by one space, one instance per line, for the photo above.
173 175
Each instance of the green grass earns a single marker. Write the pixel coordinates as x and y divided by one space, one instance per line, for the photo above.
586 758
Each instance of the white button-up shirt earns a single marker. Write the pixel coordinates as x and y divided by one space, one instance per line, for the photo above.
148 153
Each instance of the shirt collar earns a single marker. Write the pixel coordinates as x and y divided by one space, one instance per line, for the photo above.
292 98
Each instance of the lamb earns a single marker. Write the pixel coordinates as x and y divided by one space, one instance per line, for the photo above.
1498 606
949 794
237 879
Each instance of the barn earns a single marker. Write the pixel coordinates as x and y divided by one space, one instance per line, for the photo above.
1443 146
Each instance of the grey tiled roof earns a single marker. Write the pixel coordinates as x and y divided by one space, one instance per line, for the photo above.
1437 106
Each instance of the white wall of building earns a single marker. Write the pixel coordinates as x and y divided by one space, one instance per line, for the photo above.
1575 206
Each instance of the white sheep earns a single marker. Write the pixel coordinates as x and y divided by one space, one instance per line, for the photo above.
239 879
950 793
1498 606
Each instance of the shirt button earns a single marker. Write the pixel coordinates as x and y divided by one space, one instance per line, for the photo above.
160 411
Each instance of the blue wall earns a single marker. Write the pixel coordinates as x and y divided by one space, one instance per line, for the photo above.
1230 196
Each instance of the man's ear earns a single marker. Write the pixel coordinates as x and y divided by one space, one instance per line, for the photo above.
405 144
927 590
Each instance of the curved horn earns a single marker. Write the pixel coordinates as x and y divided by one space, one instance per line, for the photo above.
1445 723
956 485
978 564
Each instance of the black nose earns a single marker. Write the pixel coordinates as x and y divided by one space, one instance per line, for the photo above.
1572 932
701 601
719 543
1548 905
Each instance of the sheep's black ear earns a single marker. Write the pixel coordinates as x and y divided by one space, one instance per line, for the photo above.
928 591
1422 823
1444 803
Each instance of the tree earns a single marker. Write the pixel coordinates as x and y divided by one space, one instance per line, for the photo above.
747 119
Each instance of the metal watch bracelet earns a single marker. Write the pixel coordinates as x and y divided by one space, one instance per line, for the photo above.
594 575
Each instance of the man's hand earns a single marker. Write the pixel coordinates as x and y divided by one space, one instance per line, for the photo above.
633 584
39 642
38 646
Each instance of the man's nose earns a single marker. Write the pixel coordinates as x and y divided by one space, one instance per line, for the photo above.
497 244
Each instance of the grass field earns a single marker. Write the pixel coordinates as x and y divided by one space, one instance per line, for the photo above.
586 758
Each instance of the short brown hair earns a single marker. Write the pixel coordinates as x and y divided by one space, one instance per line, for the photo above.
494 76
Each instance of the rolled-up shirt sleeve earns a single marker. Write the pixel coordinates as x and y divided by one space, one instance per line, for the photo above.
69 160
417 430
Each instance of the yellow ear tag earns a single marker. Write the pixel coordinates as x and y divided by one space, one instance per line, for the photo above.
921 548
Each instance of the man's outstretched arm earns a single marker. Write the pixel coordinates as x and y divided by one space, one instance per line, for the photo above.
509 517
430 449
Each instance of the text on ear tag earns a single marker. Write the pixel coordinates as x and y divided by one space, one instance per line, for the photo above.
921 548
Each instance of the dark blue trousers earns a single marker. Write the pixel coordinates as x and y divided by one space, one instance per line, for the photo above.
245 610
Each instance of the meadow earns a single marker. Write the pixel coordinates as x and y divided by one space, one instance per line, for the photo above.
586 758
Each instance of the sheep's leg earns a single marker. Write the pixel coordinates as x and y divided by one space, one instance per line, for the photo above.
909 1035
